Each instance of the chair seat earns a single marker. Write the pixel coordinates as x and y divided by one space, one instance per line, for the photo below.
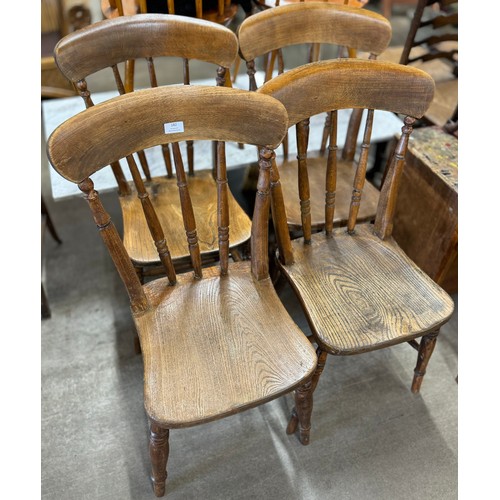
317 172
216 346
390 300
165 198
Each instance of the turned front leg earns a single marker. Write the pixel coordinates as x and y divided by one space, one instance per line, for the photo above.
427 344
158 451
294 418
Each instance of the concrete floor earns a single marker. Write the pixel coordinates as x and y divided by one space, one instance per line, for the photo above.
371 437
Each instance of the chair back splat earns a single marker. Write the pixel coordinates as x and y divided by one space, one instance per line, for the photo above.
358 289
154 38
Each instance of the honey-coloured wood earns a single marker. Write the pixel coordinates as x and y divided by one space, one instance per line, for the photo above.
106 45
158 451
223 15
315 23
358 289
213 343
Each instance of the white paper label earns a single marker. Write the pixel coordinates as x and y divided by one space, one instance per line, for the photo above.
173 127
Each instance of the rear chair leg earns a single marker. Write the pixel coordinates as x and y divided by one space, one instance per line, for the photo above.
427 344
301 414
158 451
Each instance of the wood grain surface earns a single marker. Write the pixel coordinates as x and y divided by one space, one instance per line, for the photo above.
361 293
358 84
216 346
207 113
313 23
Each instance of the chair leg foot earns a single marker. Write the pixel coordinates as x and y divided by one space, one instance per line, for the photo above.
427 344
158 451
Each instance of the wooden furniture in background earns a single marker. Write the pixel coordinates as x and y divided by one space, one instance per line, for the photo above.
47 224
113 41
215 341
426 217
358 289
56 23
432 45
316 23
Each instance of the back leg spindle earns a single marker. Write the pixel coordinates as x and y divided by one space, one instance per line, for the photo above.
187 212
302 131
222 208
331 175
359 178
123 90
427 344
164 148
153 222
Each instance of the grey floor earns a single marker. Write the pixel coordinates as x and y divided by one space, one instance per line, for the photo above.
371 438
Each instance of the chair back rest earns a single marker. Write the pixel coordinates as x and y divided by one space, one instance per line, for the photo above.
98 136
143 36
344 84
108 43
318 23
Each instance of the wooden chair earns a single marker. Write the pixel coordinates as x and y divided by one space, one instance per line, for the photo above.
358 289
218 340
316 23
432 45
108 43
